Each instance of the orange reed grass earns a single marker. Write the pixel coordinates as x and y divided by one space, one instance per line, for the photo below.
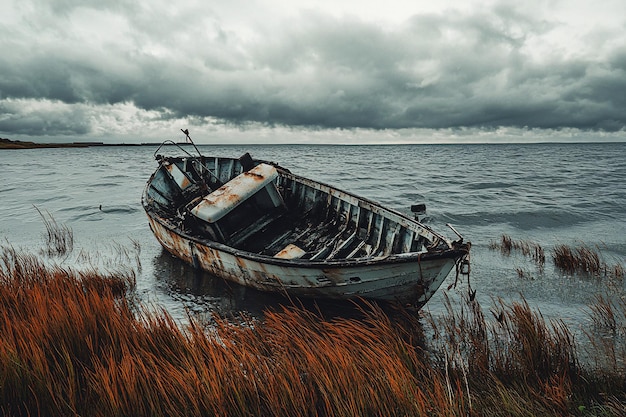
73 344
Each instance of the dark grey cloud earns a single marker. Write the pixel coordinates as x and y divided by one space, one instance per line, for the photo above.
434 71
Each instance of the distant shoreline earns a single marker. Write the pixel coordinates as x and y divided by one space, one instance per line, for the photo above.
18 144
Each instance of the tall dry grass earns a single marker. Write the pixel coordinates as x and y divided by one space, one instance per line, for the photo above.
518 364
59 237
577 259
73 343
607 340
585 259
527 248
53 322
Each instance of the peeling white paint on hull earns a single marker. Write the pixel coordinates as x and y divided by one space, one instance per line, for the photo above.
406 282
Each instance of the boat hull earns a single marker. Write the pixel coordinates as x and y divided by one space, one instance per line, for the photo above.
406 280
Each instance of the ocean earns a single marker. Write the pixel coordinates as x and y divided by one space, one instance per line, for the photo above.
548 194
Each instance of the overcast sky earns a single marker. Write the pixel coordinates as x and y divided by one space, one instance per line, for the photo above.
327 71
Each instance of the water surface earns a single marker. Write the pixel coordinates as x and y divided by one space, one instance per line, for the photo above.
547 193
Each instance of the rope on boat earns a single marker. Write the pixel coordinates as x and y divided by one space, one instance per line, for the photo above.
463 267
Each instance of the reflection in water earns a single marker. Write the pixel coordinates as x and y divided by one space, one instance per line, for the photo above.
203 294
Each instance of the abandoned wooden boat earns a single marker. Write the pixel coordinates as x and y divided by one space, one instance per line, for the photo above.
259 225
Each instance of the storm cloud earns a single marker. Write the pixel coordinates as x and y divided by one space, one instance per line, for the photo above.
64 61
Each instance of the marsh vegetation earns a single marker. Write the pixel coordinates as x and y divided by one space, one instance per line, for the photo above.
77 342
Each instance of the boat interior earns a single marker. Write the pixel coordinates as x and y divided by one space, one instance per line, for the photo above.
259 207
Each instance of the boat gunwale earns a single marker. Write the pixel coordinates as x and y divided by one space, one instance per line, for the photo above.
407 257
410 223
